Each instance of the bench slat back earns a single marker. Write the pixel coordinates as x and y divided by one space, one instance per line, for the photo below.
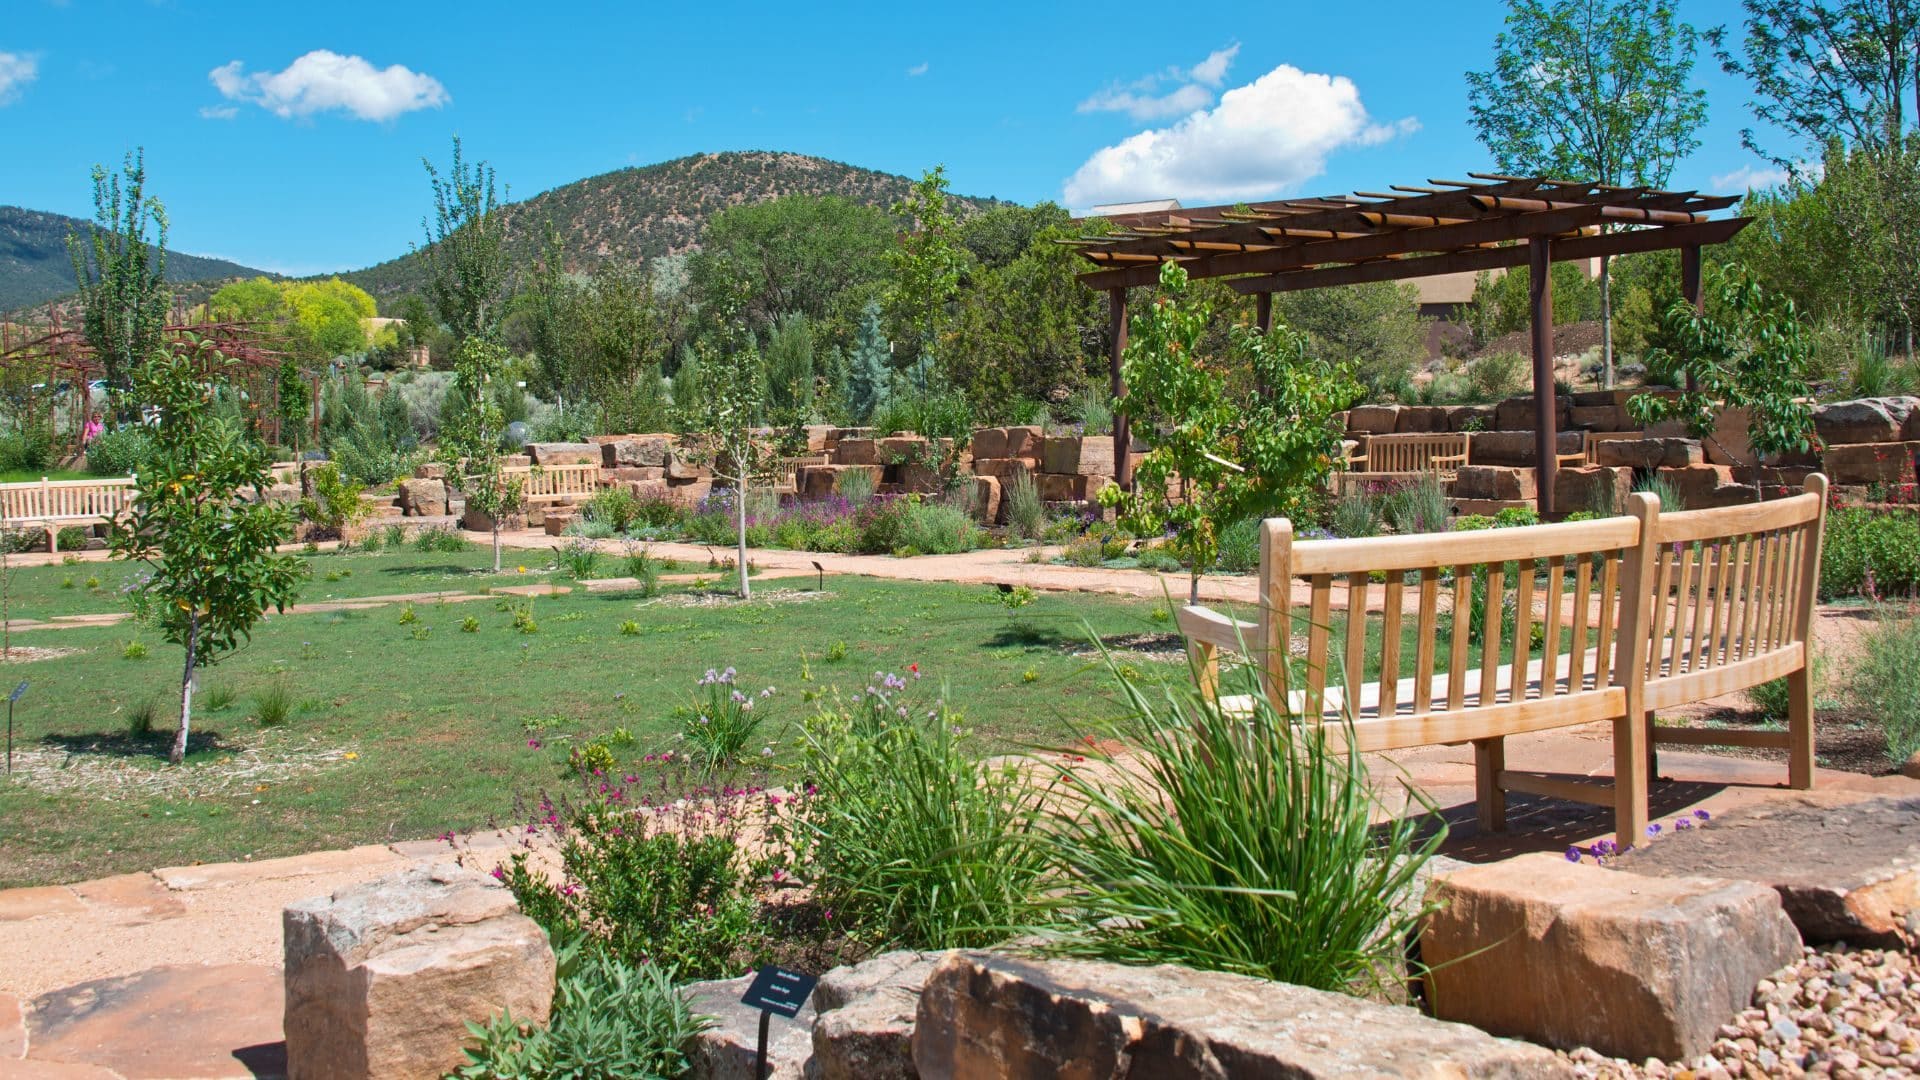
552 483
1413 452
77 500
1396 633
1730 594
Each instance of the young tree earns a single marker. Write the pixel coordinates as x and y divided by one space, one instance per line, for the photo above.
1593 89
1823 70
730 398
470 436
121 273
870 370
927 264
468 272
1751 355
1220 457
199 522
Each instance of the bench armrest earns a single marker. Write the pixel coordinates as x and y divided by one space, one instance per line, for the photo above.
1208 627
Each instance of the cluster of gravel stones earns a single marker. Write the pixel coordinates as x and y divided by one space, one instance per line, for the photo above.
1838 1012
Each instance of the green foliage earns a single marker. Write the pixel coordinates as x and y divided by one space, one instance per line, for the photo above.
467 267
666 888
1501 303
854 485
929 528
934 413
1239 842
273 704
1237 457
469 625
1881 681
821 256
926 263
121 452
1416 507
1240 547
1751 356
600 340
440 538
336 502
580 558
618 507
1355 514
869 366
1375 329
1021 330
1084 551
311 321
1095 408
210 547
1497 376
470 438
122 276
610 1021
140 719
1869 552
913 837
721 720
1026 514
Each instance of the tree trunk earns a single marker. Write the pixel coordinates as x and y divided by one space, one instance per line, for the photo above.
1606 320
179 752
740 500
1193 587
496 543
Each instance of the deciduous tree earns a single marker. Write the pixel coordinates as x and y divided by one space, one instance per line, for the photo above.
470 434
121 270
469 278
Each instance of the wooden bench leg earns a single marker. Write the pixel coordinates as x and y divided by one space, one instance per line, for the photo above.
1800 729
1489 761
1631 740
1206 668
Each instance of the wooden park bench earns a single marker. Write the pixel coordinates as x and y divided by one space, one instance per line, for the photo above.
1406 458
54 504
556 483
1636 613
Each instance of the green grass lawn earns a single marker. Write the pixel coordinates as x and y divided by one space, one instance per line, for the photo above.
407 730
21 476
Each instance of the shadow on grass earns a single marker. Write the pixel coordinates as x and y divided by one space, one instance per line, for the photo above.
119 744
442 569
1021 634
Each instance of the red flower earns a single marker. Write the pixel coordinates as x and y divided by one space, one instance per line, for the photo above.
915 668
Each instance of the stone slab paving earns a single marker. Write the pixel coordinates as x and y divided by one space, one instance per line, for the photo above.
211 1021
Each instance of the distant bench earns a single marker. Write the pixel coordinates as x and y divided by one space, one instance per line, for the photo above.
556 483
1637 613
55 504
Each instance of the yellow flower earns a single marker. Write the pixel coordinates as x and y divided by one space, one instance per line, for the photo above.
519 569
352 756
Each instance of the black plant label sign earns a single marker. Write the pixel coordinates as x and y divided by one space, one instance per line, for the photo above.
778 990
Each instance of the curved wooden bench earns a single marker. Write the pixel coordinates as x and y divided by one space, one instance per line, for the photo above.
1634 613
52 504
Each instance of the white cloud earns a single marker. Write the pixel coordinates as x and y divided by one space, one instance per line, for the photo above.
219 112
1748 178
323 80
1192 89
917 70
16 71
1265 137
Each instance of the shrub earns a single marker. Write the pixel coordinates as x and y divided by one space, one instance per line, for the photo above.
140 719
926 527
911 835
609 1021
615 507
26 449
336 501
1497 375
440 538
1243 843
1354 514
721 719
1084 551
1418 507
120 452
469 625
1870 552
1160 560
396 536
372 542
629 628
647 875
73 537
1240 547
134 650
1671 499
854 485
1026 514
644 569
217 698
1883 683
580 557
1094 405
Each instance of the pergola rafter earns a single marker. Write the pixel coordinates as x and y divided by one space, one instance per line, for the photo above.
1487 222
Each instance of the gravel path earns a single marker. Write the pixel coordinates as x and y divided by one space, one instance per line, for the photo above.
1838 1012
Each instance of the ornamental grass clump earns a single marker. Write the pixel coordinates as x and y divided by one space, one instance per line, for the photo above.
1241 842
721 718
911 839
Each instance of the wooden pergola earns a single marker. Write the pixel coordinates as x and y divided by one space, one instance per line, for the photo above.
1448 226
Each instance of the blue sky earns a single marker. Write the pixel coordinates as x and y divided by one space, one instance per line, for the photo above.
290 136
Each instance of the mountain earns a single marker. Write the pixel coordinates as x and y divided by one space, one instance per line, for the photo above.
35 268
659 210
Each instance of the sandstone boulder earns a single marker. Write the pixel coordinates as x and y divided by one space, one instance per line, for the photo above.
682 467
1083 455
857 452
1864 420
423 497
729 1049
564 453
381 977
430 470
989 443
1493 482
1870 463
1421 419
1576 955
475 520
638 452
1845 871
1374 419
867 1011
1470 418
1516 447
1648 453
986 1015
1596 489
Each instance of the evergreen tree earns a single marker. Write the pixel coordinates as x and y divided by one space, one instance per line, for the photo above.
869 370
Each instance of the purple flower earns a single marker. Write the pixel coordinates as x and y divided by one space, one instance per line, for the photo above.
1573 854
1702 815
1653 829
533 744
499 874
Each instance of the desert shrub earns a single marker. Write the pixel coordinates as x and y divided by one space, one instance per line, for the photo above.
616 507
336 502
1882 682
27 448
1418 507
1241 842
1672 501
589 529
666 885
273 704
1094 407
120 452
934 414
930 528
644 569
140 719
854 485
217 698
1497 375
1084 551
1869 552
912 835
1355 513
1160 560
440 538
72 537
1240 547
580 558
1026 514
609 1021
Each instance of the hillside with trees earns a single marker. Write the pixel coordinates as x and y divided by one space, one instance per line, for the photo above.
35 266
657 210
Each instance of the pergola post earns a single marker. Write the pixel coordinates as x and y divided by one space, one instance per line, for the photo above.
1122 424
1263 311
1545 408
1693 289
